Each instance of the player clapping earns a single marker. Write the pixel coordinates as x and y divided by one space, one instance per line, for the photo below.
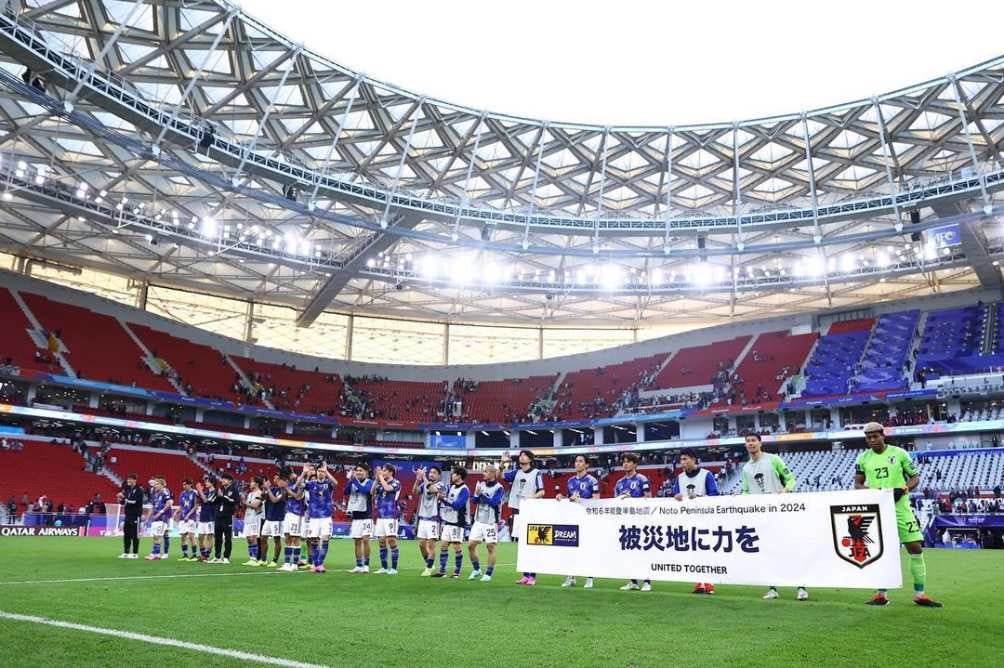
159 516
188 505
252 519
427 486
453 512
319 506
488 496
387 490
359 490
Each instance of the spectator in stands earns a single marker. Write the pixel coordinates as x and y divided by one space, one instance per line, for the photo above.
12 508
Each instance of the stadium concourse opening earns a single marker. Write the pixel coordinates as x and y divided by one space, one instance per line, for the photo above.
284 341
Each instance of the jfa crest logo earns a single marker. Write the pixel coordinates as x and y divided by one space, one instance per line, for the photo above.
857 533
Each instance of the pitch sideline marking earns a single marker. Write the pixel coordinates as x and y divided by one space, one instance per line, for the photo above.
156 640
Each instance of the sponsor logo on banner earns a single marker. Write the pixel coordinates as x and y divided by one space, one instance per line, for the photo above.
7 530
562 535
857 537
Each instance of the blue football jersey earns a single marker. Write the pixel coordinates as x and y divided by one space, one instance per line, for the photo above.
319 503
635 486
585 487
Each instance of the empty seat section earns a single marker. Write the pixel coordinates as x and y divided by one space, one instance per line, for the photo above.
773 358
404 400
98 348
951 336
53 470
200 368
173 465
698 365
294 389
835 358
501 400
15 341
590 393
883 365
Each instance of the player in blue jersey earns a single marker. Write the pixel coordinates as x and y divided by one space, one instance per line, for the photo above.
633 486
427 486
275 512
188 506
159 516
453 513
488 495
387 491
694 482
359 505
580 486
206 491
292 524
319 507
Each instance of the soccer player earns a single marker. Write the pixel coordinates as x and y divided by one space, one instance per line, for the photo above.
275 512
319 506
206 491
252 519
427 486
488 496
580 486
884 466
633 486
292 524
765 473
691 483
359 491
131 497
188 505
525 482
162 505
453 512
227 498
387 490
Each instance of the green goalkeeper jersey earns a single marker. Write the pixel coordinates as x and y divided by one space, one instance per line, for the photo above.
891 469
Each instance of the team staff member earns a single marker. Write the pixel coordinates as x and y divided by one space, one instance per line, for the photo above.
525 482
694 482
227 498
885 466
131 497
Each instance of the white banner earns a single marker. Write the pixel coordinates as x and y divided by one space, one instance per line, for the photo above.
823 539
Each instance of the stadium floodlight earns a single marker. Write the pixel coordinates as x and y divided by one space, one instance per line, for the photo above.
882 259
655 278
930 252
610 277
209 228
369 263
7 196
703 274
847 263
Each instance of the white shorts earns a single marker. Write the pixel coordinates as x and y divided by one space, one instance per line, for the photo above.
451 533
186 526
361 529
484 532
252 524
207 528
428 529
272 528
386 527
319 527
157 528
293 525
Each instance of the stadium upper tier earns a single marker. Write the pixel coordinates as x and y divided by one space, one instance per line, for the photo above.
223 153
706 372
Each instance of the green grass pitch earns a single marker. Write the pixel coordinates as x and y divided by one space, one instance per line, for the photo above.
353 620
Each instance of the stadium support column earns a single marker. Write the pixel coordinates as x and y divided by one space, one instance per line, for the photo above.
597 435
556 435
141 296
639 431
94 400
514 440
29 396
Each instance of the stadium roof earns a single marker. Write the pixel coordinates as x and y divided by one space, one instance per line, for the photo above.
416 207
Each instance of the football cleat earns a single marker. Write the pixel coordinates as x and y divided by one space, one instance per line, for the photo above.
709 588
381 571
152 557
224 560
391 571
802 595
531 582
357 569
630 586
269 564
124 555
770 595
439 574
589 584
474 575
699 589
426 573
646 586
486 578
522 581
877 599
924 601
569 582
250 562
320 569
134 556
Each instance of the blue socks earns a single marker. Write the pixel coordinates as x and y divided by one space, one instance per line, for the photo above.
184 550
444 556
476 565
288 555
252 550
323 553
167 543
489 571
458 561
394 553
383 557
359 563
156 548
429 561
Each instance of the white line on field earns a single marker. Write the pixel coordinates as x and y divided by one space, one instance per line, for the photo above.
155 640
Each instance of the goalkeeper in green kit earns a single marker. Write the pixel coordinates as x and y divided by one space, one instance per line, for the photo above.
884 466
